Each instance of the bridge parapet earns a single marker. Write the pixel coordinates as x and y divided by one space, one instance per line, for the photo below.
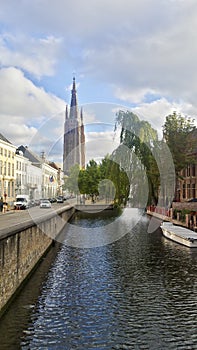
89 208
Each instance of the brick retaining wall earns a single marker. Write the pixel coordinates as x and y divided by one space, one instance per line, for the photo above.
21 251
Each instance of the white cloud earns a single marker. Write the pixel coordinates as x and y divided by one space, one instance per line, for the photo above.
156 111
99 144
133 45
37 56
132 95
24 106
144 51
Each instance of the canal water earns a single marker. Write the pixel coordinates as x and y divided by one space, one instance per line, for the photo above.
138 292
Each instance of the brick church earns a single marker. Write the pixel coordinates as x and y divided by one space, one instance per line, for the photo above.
74 136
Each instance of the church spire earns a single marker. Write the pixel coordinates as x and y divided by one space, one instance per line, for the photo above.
66 112
81 115
74 94
74 135
73 104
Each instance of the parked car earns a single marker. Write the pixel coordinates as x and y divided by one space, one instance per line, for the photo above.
22 202
60 199
44 203
52 200
193 200
32 203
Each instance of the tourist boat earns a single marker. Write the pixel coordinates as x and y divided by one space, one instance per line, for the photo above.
179 234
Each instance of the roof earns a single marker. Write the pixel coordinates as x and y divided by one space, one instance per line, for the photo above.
3 138
34 158
53 165
30 155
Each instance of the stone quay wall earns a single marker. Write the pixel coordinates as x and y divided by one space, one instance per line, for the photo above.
22 248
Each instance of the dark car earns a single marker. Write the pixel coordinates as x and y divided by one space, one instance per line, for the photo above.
60 199
52 200
32 203
192 200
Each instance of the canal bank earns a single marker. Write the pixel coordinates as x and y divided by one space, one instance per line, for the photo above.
183 214
23 243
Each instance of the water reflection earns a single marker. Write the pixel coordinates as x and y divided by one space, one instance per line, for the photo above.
138 292
100 229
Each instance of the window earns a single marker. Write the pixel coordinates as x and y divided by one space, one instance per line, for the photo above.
12 188
5 169
18 165
193 170
193 191
184 192
188 170
8 188
9 168
188 190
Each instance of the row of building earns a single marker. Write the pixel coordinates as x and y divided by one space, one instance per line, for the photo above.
187 183
24 172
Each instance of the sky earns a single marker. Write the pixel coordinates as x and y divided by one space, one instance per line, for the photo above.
137 55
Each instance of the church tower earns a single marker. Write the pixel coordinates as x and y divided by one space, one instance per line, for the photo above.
74 136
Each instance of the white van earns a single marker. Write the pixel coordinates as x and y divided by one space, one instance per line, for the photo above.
22 201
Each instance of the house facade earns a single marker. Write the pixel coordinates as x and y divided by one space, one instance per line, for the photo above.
7 169
23 172
41 175
187 188
188 182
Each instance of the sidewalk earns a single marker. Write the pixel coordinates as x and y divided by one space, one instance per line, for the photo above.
11 211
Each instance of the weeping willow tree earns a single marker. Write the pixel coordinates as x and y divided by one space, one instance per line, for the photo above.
118 182
137 142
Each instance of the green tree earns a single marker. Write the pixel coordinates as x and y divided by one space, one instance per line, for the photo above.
89 179
179 132
176 132
139 139
105 179
117 186
71 182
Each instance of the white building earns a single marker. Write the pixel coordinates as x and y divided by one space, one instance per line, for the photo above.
41 177
28 177
23 172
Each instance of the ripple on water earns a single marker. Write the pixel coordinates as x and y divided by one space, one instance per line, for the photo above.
136 293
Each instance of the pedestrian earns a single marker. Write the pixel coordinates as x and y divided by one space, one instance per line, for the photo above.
5 206
1 204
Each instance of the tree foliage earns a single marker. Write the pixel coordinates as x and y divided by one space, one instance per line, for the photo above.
139 139
71 182
89 179
106 180
118 184
177 132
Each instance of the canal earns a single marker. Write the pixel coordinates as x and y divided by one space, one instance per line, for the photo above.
137 292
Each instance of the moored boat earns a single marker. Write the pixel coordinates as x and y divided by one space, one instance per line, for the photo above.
179 234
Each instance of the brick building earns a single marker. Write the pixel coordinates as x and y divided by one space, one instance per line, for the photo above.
187 188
